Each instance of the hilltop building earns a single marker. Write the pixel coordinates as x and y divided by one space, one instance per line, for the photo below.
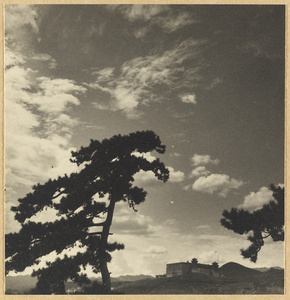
183 268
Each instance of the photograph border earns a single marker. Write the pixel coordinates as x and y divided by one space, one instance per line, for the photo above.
286 294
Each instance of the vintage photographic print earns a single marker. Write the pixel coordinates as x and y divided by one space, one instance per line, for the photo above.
144 149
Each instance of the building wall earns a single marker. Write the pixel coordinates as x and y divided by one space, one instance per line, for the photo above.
177 269
206 271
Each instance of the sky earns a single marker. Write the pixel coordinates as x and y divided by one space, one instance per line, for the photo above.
208 79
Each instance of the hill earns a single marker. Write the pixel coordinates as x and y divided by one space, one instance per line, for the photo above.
232 269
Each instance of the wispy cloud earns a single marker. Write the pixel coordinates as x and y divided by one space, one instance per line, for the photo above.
19 16
138 81
171 22
163 16
141 12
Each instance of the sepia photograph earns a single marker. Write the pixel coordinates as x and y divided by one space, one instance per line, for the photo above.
144 149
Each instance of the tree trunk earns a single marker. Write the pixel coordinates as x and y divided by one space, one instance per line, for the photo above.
104 241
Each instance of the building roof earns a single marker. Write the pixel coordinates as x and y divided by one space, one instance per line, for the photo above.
203 266
179 263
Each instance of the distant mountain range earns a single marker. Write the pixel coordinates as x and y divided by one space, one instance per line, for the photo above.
131 278
22 284
267 269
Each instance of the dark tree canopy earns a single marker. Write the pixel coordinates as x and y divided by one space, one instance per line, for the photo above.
106 168
260 224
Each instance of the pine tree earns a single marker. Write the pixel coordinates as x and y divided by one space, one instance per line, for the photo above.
260 224
106 168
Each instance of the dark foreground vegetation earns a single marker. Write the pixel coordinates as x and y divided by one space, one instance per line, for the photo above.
270 282
235 279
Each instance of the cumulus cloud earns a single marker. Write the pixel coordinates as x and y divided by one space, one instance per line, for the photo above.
143 177
188 98
198 160
127 221
146 155
256 200
148 176
220 183
175 176
199 171
38 120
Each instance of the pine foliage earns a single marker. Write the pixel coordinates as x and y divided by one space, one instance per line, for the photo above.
106 168
267 221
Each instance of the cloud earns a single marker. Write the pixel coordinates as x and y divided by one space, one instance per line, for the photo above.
199 171
157 250
144 177
220 183
203 227
126 221
148 176
55 95
141 12
188 98
45 58
19 16
104 75
21 27
175 154
209 257
216 81
255 201
38 120
169 20
198 160
170 23
175 176
51 257
137 83
127 101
